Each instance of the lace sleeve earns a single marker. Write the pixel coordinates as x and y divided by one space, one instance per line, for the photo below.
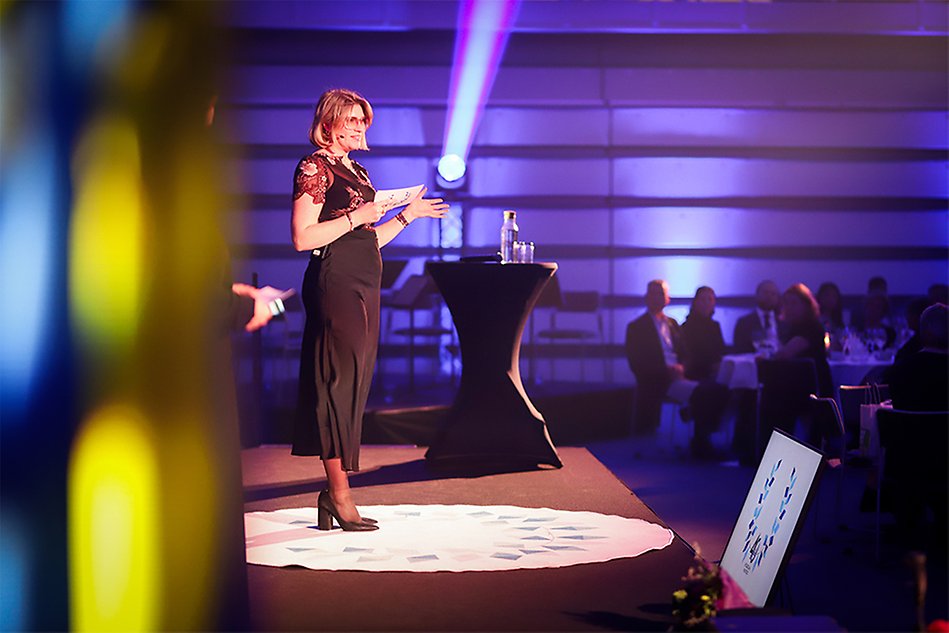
314 177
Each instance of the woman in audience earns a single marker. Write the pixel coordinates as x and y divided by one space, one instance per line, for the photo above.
831 307
832 313
703 345
806 334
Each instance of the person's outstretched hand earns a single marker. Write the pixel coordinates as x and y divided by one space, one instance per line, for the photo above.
421 207
262 298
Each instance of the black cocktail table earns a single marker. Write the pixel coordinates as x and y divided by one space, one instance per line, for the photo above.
492 419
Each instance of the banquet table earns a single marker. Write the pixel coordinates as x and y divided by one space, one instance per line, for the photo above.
740 371
851 371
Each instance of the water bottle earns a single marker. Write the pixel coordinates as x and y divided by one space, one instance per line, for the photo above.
508 236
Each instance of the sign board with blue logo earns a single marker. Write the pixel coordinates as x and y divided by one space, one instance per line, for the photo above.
774 509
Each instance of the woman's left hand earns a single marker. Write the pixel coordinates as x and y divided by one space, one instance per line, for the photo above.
421 207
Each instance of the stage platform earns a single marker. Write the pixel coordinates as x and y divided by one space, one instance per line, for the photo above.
575 413
622 594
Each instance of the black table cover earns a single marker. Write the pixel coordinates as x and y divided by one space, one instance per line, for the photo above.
492 419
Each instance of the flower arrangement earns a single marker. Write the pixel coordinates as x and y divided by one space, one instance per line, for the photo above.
694 605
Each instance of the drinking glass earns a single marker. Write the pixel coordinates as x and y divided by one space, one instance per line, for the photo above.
876 338
758 337
524 252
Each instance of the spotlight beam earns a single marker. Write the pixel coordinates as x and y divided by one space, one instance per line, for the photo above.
483 30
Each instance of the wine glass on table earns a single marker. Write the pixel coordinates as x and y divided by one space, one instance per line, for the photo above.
903 332
759 340
876 339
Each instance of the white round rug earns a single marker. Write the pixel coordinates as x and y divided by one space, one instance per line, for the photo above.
449 538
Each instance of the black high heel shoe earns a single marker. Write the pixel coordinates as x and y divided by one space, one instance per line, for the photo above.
326 512
365 520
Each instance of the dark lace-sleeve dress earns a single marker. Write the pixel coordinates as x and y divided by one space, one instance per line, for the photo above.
341 335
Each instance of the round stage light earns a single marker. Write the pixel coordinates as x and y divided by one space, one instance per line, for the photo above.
451 168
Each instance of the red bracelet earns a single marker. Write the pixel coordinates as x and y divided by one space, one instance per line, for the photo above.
401 219
351 227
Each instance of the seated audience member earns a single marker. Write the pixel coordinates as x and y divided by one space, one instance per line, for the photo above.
875 286
761 322
653 345
784 400
920 382
938 293
805 334
876 310
831 307
913 313
702 342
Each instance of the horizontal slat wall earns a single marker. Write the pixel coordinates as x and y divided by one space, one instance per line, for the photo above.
645 177
599 16
566 86
688 177
614 128
716 228
692 158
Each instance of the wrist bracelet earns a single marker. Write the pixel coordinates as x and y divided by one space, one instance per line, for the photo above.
351 227
401 219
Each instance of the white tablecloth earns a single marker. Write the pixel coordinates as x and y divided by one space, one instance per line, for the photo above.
851 371
739 371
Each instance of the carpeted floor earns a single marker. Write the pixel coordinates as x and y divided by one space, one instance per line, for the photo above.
627 594
832 572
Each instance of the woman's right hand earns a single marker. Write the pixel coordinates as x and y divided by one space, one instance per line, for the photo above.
368 213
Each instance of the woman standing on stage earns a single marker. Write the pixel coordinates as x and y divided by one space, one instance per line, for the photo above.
334 218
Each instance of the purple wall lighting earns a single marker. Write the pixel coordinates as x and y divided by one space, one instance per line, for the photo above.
713 143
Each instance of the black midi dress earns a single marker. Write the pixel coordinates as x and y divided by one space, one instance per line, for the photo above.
341 298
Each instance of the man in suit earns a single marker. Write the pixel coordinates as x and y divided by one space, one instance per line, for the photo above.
653 345
761 322
764 319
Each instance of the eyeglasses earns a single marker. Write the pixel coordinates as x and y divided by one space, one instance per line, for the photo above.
355 123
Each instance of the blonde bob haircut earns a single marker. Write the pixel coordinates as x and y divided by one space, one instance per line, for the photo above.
332 108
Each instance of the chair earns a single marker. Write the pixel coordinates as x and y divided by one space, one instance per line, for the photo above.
586 303
784 390
913 457
417 293
549 298
830 424
391 269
